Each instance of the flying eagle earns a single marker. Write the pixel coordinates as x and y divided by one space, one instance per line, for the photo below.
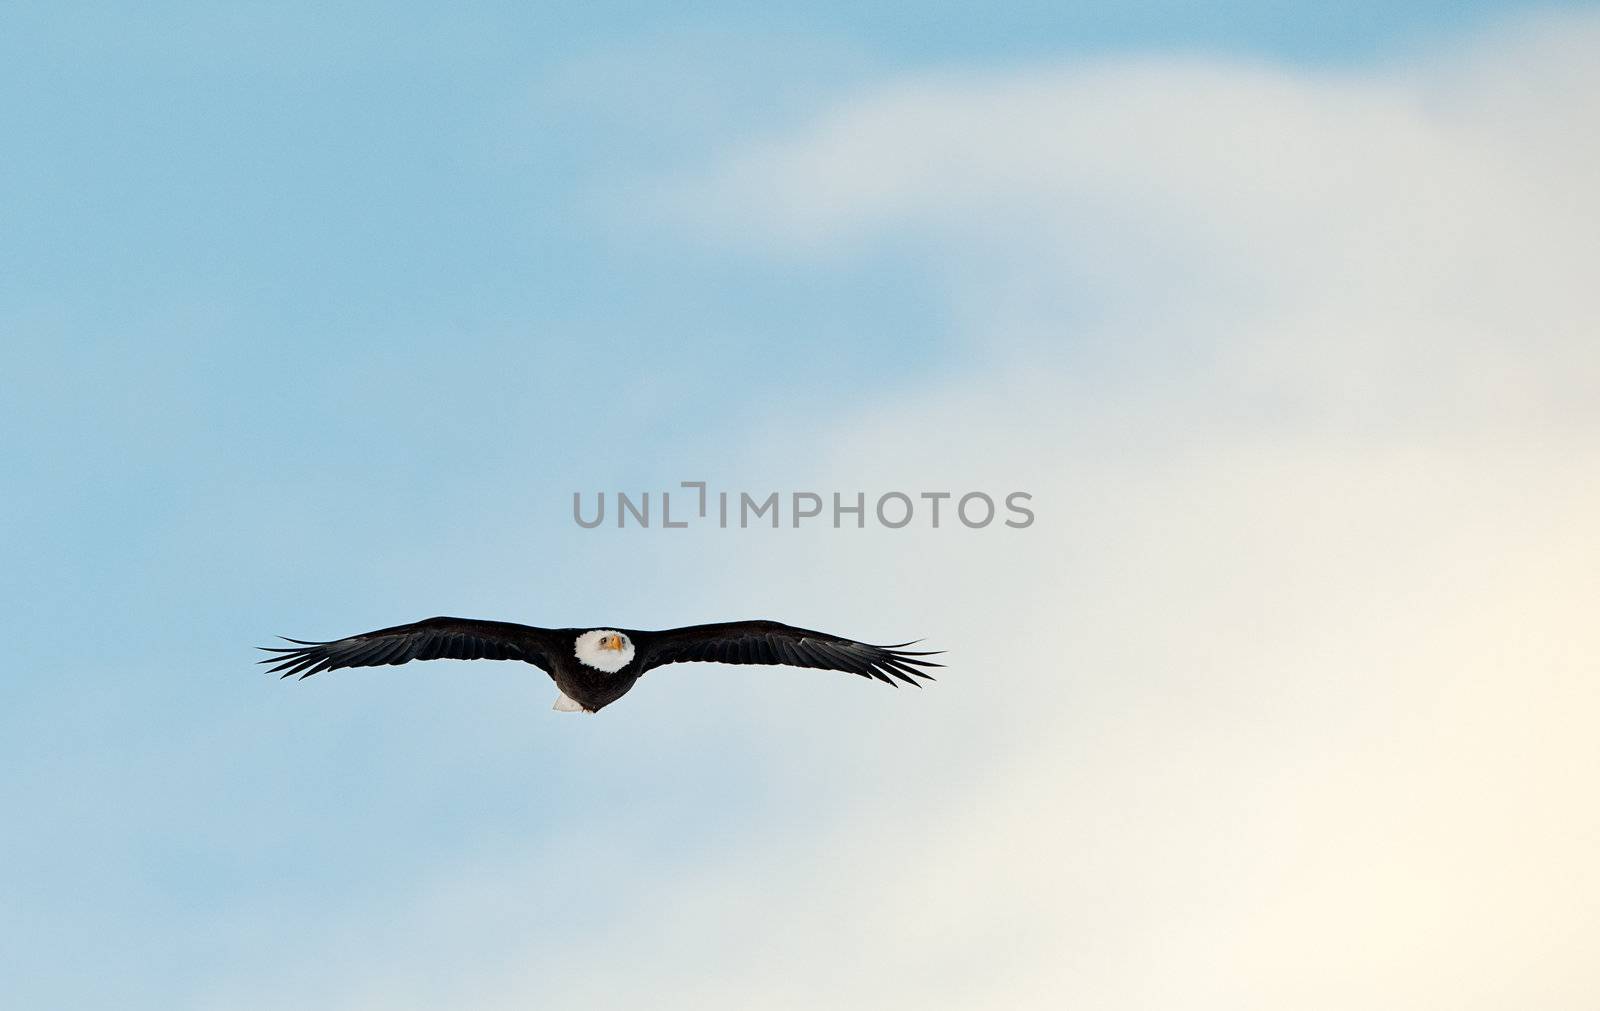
595 667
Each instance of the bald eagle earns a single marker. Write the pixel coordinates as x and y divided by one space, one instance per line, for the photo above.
595 667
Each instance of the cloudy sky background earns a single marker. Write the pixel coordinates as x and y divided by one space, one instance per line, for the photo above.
1286 319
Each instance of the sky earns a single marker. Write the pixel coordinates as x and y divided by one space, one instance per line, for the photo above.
1283 315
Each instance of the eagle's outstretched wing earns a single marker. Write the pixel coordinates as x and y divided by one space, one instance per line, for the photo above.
772 642
431 639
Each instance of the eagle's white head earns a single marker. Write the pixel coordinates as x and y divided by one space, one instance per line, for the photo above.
604 649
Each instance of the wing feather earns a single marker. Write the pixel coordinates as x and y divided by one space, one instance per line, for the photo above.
432 639
771 642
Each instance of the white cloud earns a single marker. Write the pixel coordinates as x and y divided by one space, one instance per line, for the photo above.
1314 566
1415 242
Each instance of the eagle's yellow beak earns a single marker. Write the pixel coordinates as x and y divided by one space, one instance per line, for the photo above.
611 642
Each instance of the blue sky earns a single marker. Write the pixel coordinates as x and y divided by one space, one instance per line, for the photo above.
315 319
